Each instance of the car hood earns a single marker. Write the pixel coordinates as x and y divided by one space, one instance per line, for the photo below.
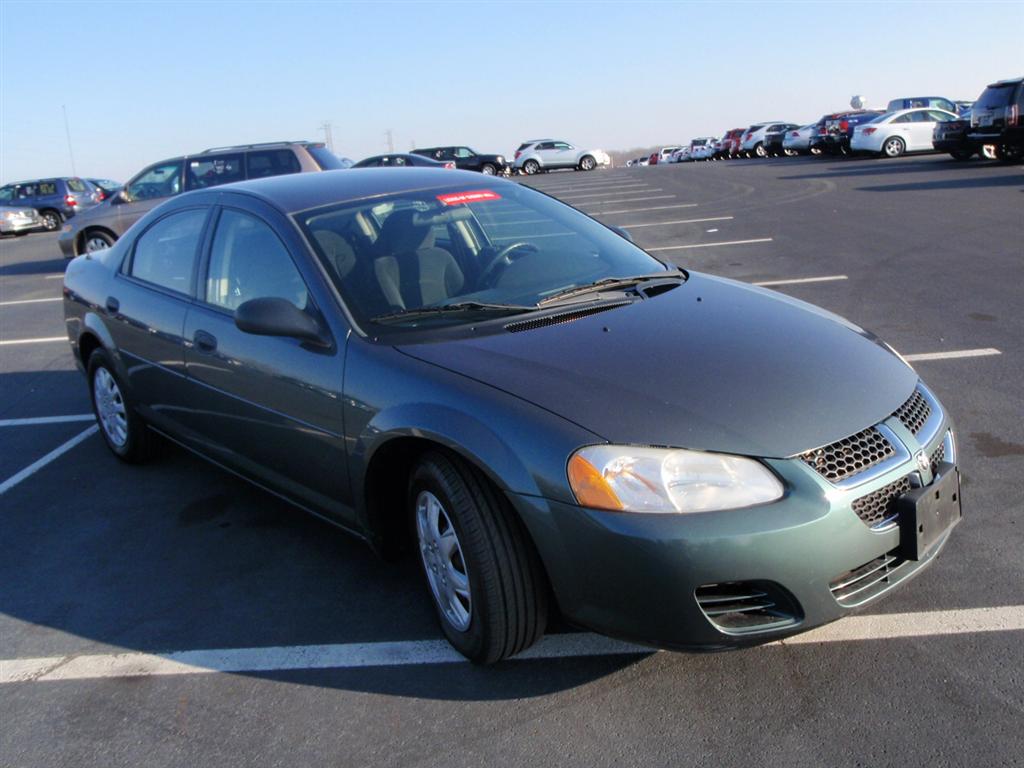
711 365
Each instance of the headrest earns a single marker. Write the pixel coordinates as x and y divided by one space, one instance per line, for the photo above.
404 233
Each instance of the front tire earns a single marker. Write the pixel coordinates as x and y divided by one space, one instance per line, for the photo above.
894 147
123 430
483 573
530 167
587 163
97 240
488 169
759 150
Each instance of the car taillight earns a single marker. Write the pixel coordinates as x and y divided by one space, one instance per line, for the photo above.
1012 115
870 130
100 197
844 125
795 134
450 164
748 137
70 200
518 153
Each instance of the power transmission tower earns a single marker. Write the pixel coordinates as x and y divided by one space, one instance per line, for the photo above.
326 126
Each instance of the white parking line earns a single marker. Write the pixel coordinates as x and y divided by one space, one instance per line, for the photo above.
650 208
710 245
953 354
392 654
59 276
679 221
36 421
28 301
44 340
799 280
626 200
605 194
56 453
590 187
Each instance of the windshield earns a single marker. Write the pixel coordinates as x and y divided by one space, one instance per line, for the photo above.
503 244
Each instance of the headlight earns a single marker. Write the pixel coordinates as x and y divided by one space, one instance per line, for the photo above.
632 479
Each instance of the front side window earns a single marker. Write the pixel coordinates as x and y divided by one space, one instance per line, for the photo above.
161 180
503 245
562 145
165 254
248 261
463 152
7 194
203 172
271 162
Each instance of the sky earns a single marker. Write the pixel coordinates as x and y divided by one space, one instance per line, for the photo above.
145 81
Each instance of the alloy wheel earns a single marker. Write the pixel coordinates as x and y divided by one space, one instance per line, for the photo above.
893 147
96 243
110 408
443 561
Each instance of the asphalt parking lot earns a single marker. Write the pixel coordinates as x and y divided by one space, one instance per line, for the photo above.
172 615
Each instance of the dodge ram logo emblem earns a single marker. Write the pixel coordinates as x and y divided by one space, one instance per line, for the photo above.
922 462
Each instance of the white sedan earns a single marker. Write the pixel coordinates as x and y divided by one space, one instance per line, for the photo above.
799 139
894 133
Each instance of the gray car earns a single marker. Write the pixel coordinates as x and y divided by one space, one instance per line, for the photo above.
15 220
104 224
542 413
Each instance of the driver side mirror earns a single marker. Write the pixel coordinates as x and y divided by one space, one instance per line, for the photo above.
273 316
624 234
119 197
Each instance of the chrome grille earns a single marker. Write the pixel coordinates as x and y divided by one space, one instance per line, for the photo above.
881 504
915 412
746 606
862 583
850 456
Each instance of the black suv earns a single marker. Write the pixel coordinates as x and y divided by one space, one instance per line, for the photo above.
103 225
997 117
467 160
56 199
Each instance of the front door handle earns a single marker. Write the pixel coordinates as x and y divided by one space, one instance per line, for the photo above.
113 305
206 342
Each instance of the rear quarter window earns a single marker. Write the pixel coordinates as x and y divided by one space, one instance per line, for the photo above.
76 185
271 162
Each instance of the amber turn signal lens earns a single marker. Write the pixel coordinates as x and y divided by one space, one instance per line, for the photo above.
590 487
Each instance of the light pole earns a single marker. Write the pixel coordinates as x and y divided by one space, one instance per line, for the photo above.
67 131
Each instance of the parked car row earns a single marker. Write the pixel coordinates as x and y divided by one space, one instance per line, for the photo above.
55 200
992 126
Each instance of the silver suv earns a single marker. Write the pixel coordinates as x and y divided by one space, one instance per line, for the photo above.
103 224
548 154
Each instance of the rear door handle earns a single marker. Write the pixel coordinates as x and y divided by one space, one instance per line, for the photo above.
206 342
113 305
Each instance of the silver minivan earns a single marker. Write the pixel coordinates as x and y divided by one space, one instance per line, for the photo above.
103 224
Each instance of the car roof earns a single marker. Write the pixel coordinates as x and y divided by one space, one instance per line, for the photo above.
296 192
262 145
1004 83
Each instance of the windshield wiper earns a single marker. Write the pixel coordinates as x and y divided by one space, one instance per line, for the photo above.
461 307
611 284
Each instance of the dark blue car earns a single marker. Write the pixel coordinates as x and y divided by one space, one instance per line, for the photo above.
56 199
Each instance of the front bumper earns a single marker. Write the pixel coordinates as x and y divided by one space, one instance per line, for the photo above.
637 576
66 241
16 226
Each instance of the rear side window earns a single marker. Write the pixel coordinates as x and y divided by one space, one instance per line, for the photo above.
248 261
326 159
271 162
204 172
995 97
165 254
159 181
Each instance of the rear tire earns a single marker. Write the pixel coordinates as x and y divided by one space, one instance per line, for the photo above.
51 219
894 146
484 575
759 150
1005 154
961 154
530 167
123 430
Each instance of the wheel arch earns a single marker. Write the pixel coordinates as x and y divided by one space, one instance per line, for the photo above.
81 237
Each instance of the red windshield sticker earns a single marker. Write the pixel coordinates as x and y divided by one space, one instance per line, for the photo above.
461 198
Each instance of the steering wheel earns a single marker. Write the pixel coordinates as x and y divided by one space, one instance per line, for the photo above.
503 259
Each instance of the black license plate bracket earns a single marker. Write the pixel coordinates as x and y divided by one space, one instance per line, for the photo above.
925 514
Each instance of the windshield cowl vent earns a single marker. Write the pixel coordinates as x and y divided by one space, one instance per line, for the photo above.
562 317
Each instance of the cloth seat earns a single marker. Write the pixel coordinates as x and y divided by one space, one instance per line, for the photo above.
411 270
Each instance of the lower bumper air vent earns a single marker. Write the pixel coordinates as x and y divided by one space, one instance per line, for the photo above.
747 606
869 580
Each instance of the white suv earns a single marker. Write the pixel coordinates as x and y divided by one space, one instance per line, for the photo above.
548 154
